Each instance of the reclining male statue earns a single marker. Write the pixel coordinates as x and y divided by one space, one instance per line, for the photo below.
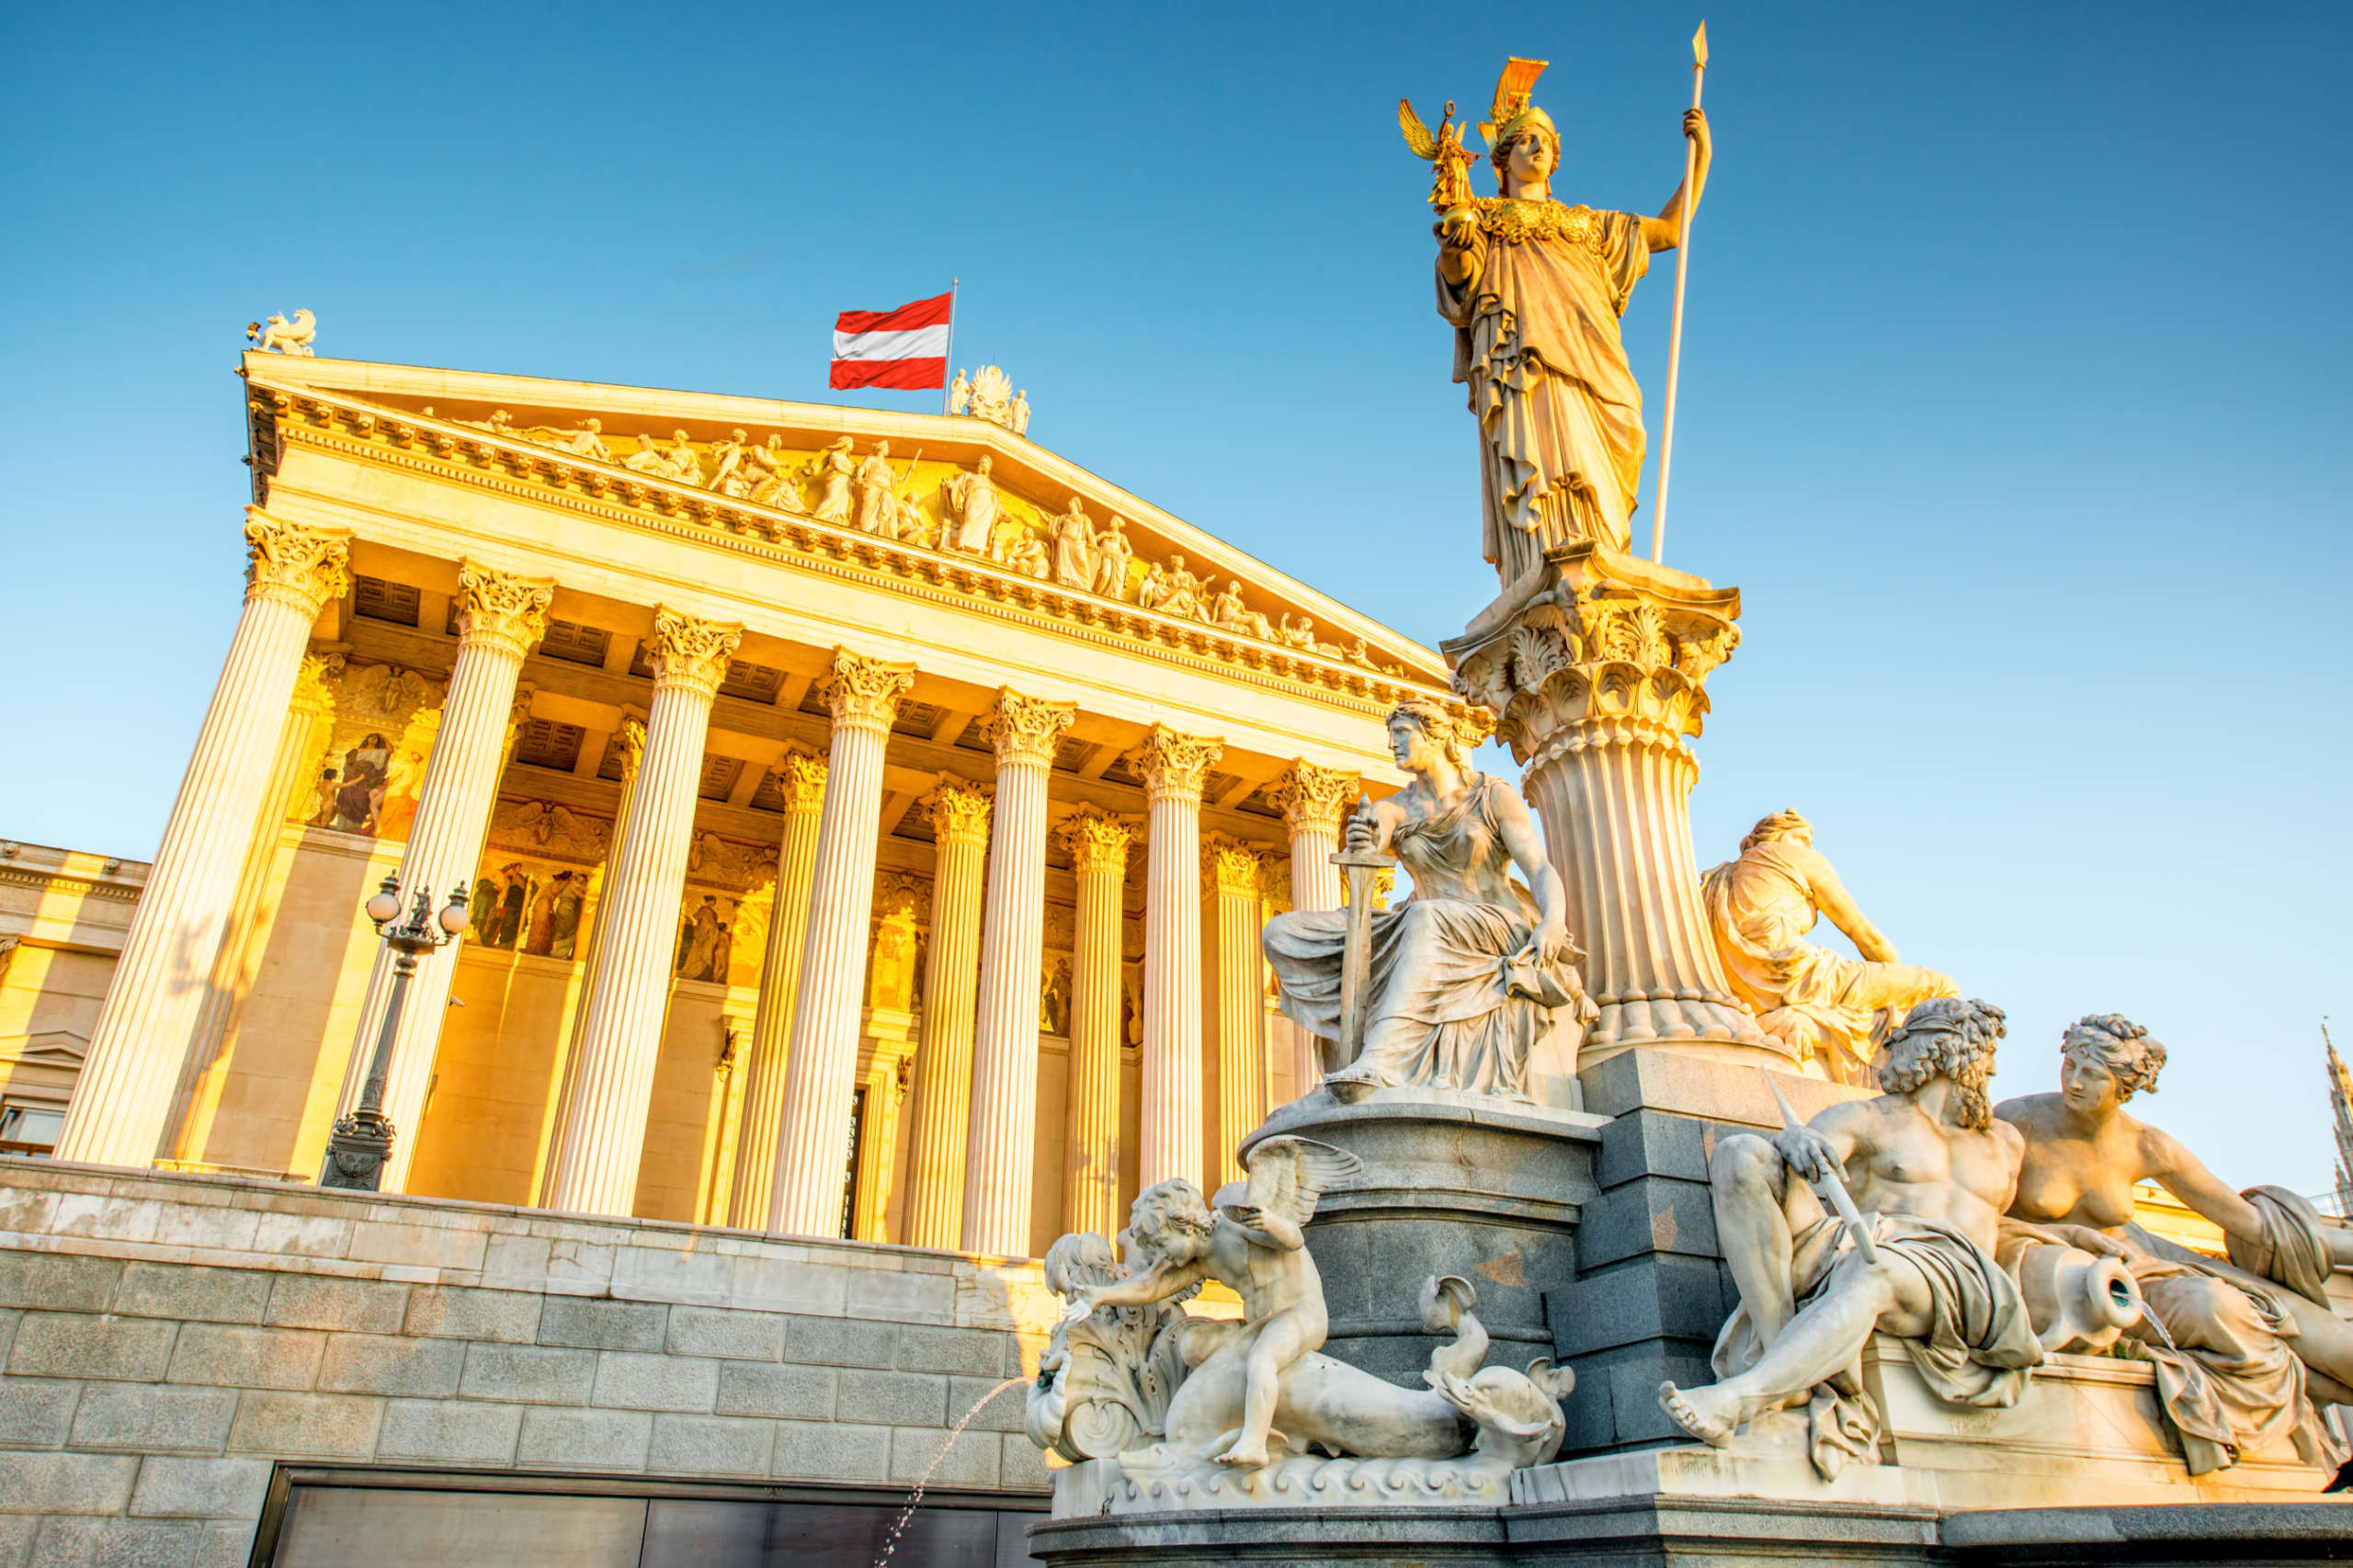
1932 1173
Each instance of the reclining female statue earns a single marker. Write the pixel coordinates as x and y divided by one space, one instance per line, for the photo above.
2248 1348
1465 977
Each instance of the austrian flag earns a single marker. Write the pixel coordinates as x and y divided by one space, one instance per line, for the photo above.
906 348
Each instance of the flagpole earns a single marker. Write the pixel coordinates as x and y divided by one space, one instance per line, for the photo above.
949 369
1675 331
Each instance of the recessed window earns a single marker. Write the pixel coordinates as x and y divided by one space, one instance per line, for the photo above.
29 1129
576 644
544 743
381 600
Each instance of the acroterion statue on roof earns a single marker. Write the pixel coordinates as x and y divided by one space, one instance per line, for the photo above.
1534 288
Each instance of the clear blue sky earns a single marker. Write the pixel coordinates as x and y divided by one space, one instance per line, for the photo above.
2014 384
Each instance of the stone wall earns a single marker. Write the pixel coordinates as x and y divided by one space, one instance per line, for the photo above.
167 1338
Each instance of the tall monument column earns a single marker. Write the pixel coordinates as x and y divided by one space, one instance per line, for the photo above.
163 980
1174 766
604 1124
1596 673
1234 993
803 777
943 1071
500 618
1002 1148
1099 844
821 1065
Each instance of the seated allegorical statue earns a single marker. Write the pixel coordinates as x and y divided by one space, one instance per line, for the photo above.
1932 1172
2246 1351
1465 977
1826 1007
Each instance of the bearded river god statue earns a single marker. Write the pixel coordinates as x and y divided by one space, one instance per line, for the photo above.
1534 290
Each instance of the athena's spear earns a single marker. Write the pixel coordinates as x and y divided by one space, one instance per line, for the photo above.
1682 267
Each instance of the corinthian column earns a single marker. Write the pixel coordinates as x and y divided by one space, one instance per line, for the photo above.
1597 684
163 981
629 995
1003 1144
1099 844
1174 766
821 1065
1312 801
1230 888
943 1074
500 619
803 775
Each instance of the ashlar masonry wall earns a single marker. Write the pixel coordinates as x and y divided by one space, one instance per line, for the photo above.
167 1338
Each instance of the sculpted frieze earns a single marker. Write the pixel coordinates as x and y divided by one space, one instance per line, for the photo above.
556 832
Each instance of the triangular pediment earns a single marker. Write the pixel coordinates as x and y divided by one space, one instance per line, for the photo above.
47 1048
776 470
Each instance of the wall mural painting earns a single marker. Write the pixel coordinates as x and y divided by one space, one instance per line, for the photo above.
706 937
380 721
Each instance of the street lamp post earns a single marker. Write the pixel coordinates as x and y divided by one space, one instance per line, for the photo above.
363 1140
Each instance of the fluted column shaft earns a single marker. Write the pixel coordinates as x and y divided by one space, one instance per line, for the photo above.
1314 799
500 619
163 979
1231 886
604 1135
1174 766
943 1071
795 871
821 1066
1099 846
1001 1146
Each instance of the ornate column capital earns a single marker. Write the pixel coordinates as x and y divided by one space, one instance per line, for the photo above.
1312 797
800 778
1027 728
864 693
1228 867
501 609
290 564
313 695
1174 766
959 812
1097 840
692 652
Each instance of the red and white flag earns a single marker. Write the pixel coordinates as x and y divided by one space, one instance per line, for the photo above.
906 348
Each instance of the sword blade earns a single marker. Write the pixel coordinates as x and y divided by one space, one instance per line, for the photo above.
1829 1187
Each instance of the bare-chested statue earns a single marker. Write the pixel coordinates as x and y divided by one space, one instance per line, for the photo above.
2247 1351
1256 1244
1826 1007
1932 1172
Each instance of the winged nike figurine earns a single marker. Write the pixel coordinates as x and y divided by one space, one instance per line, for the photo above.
1450 186
1254 1243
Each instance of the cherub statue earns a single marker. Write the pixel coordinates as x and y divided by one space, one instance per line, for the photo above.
1255 1245
282 336
1451 185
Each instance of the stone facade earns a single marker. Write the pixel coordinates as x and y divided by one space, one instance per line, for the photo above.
166 1339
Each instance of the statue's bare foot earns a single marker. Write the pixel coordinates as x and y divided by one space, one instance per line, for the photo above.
1250 1456
1708 1414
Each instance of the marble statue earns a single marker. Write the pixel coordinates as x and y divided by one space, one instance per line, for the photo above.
585 439
678 463
1223 1412
1930 1171
1828 1008
727 475
2243 1350
973 504
1019 550
1466 977
834 469
1074 536
773 482
876 481
1298 633
1534 290
1017 415
278 335
1113 554
960 394
1172 591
